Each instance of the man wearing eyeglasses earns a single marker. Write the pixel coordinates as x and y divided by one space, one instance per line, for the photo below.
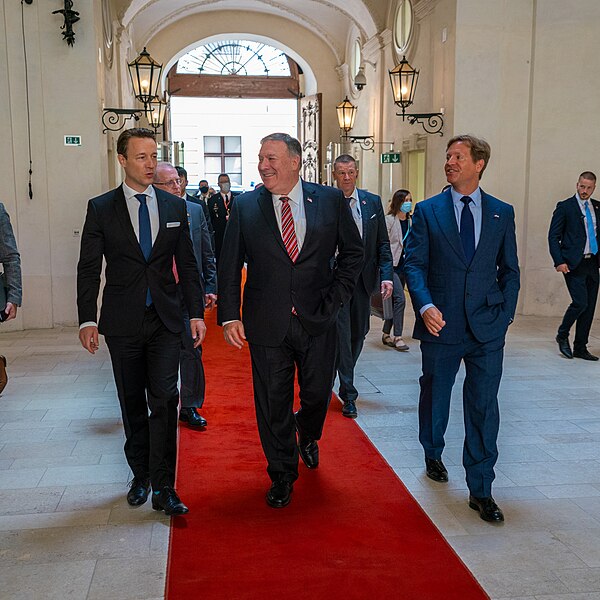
193 382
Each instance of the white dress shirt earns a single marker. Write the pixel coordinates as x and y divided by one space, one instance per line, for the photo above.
296 202
587 249
133 207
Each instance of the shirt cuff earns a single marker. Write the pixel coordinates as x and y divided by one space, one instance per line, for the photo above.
426 307
88 324
196 319
227 322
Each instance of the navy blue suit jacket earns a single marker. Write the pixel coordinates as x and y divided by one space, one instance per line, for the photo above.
567 235
483 294
378 255
316 285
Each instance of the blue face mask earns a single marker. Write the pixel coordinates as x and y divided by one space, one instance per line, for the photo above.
406 207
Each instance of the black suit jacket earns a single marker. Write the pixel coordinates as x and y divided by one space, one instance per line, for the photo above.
567 235
109 234
316 285
219 215
378 264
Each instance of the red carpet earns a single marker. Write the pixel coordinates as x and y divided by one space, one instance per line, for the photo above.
352 531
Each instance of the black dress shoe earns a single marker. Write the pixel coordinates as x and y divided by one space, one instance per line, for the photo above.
564 346
138 493
349 409
436 470
280 493
169 501
488 509
584 354
192 418
308 448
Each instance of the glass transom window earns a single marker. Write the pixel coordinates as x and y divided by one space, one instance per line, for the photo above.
235 57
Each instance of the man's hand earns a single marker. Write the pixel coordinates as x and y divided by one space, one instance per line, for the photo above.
564 268
198 328
88 336
434 321
210 301
386 289
10 310
234 334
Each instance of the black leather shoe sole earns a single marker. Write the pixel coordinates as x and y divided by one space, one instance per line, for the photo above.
180 509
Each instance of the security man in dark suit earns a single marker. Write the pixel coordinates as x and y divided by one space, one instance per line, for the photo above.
140 230
199 199
354 317
462 273
288 232
219 207
573 242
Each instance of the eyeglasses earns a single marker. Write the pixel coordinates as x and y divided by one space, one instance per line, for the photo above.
170 183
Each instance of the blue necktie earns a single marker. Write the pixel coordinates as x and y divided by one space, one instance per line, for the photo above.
467 229
590 228
145 234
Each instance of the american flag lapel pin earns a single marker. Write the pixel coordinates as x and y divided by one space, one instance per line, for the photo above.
364 201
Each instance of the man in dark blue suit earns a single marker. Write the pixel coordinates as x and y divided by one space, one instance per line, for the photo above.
353 320
193 381
462 273
573 242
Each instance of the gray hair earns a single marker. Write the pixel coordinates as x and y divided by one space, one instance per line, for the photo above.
293 145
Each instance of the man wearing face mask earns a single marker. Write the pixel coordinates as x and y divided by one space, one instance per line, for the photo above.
219 207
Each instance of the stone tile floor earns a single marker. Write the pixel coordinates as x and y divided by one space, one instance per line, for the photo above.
66 531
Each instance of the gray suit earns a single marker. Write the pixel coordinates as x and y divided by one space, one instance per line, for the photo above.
190 359
10 259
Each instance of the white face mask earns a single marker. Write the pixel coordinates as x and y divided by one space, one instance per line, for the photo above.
225 187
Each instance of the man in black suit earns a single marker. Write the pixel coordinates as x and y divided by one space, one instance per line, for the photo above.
353 320
140 230
573 242
199 199
219 207
193 382
288 232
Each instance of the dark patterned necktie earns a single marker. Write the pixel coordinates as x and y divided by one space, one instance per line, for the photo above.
467 229
145 234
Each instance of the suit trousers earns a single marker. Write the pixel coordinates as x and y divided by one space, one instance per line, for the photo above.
273 370
582 283
145 368
399 304
191 369
483 371
353 326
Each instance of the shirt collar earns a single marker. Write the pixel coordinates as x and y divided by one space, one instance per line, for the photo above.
475 197
130 192
296 195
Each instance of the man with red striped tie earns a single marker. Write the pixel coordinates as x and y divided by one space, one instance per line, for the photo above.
288 232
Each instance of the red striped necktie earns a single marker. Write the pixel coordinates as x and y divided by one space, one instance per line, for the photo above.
288 233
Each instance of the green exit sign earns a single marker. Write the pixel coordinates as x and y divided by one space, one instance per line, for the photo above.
388 158
72 140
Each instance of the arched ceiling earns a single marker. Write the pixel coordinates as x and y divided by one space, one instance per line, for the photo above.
331 20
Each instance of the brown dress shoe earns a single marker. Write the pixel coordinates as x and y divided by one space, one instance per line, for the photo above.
3 374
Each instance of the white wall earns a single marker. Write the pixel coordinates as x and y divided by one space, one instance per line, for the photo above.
194 118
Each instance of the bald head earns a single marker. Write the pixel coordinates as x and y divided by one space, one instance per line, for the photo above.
167 179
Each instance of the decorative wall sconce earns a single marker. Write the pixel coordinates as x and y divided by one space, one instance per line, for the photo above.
145 78
70 17
346 113
403 79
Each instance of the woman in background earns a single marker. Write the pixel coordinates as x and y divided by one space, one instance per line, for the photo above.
398 225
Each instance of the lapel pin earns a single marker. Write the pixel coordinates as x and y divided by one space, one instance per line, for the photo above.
364 201
309 199
496 216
